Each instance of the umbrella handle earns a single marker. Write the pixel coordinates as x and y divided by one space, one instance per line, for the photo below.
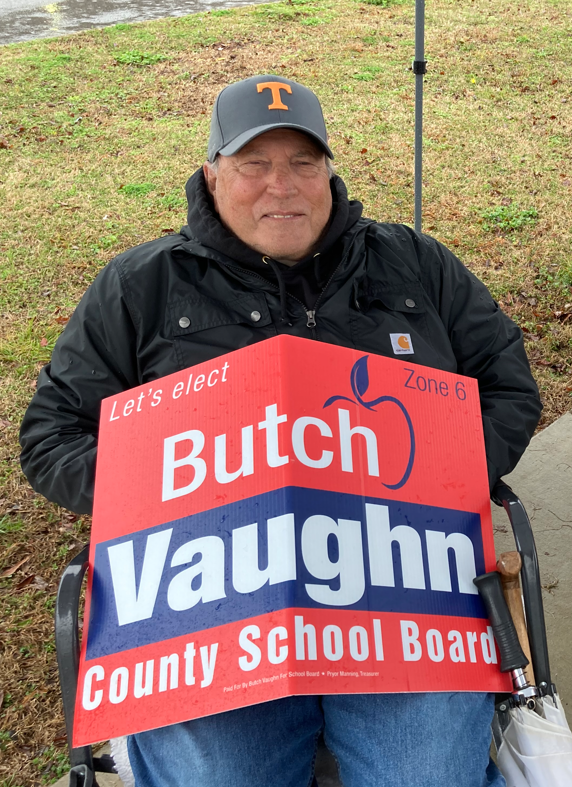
508 566
511 654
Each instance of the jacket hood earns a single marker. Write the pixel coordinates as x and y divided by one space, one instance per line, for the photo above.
204 224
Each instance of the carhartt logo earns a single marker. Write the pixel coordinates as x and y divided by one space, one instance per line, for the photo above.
275 87
401 343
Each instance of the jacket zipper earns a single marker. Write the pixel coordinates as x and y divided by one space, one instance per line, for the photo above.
310 313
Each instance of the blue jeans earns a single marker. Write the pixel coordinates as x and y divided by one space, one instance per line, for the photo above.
378 740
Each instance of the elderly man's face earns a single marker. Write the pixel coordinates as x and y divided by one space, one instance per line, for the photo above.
274 194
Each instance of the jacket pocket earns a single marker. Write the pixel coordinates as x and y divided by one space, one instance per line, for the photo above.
381 311
203 328
405 299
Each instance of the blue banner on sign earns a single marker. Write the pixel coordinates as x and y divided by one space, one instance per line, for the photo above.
292 547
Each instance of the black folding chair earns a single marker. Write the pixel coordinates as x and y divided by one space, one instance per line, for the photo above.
84 765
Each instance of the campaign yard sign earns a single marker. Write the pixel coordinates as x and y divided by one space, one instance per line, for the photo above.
290 518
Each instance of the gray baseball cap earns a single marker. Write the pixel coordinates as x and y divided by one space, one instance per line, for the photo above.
246 109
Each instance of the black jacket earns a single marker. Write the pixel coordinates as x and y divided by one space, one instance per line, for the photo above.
368 281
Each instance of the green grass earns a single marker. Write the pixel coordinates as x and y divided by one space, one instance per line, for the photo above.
51 764
99 132
508 218
10 525
134 57
137 189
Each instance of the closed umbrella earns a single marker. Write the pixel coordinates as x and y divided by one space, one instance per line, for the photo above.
534 749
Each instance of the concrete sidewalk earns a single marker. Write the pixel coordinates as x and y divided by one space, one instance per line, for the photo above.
543 481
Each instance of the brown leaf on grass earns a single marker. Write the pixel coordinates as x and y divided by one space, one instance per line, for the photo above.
44 342
25 582
12 570
26 700
62 320
4 144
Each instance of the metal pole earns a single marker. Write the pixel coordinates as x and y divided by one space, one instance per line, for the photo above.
419 69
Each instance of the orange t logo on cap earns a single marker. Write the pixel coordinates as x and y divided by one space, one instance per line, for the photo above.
275 87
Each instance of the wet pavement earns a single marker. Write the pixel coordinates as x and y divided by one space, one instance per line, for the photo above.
22 20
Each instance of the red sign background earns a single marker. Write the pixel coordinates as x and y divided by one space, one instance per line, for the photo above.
224 397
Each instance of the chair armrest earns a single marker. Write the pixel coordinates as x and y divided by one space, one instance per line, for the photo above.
68 648
503 495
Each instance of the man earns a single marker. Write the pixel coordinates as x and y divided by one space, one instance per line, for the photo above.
274 246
